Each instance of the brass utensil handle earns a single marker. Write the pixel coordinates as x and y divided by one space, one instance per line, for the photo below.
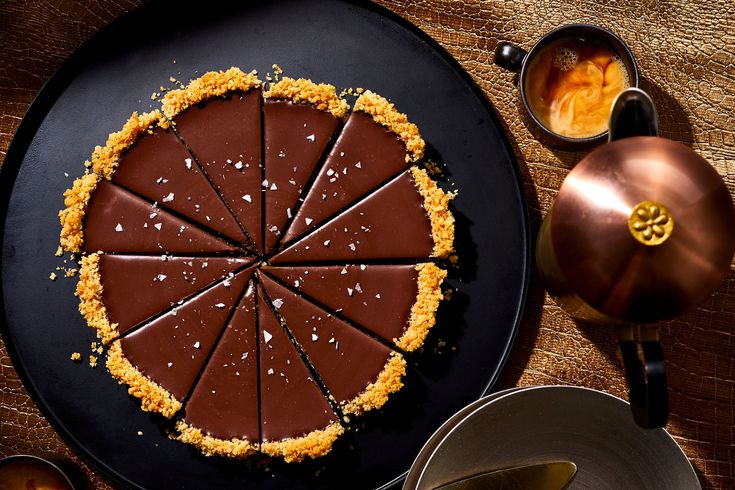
645 371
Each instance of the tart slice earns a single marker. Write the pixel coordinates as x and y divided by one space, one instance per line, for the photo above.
221 416
161 360
151 161
103 217
299 118
376 143
395 302
296 420
359 372
408 218
218 116
117 292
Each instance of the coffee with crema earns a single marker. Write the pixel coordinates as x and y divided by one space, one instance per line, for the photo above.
571 84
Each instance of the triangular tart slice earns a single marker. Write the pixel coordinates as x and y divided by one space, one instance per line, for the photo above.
395 302
161 360
299 118
117 292
296 420
359 372
376 143
219 118
408 218
103 217
151 161
221 416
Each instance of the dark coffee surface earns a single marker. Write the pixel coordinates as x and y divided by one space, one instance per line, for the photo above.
295 136
134 288
346 359
224 403
391 223
291 403
378 297
118 221
225 136
364 155
159 167
171 349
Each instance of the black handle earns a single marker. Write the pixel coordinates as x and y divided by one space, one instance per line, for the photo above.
509 56
645 372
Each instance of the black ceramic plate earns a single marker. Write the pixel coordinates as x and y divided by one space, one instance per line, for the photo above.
349 45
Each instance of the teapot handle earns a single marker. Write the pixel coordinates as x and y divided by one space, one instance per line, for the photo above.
633 113
645 371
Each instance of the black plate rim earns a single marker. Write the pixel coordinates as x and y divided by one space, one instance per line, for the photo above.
54 87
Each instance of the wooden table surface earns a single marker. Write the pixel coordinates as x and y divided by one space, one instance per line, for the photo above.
686 52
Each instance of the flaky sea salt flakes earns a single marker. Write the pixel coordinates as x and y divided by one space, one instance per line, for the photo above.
274 187
331 341
277 303
220 305
358 165
288 213
168 198
197 344
326 243
170 364
271 371
158 226
238 165
292 181
161 277
363 267
314 337
244 356
153 215
119 227
352 246
311 138
247 198
188 163
343 271
264 183
377 295
330 172
308 221
267 336
296 283
358 288
350 291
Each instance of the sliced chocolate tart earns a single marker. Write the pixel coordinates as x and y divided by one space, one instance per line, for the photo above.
296 420
161 360
299 118
408 218
149 160
395 302
218 116
221 416
117 292
103 217
376 143
359 372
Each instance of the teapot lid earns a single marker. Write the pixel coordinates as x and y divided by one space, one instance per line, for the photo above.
643 228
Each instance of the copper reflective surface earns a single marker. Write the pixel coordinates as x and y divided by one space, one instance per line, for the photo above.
606 266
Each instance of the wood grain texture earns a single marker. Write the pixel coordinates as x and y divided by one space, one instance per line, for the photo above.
686 52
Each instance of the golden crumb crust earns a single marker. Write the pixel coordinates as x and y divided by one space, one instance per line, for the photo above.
211 84
72 217
313 445
385 113
106 158
152 396
423 311
436 203
211 446
376 393
322 96
89 291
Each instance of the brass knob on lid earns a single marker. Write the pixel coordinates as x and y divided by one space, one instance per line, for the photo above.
642 229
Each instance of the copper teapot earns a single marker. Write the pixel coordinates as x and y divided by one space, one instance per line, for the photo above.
643 228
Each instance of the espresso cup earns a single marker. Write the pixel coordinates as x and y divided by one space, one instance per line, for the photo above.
567 83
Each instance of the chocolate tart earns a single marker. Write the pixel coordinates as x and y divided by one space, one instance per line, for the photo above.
258 260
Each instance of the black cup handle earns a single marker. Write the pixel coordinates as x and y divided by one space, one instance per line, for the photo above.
509 56
646 376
